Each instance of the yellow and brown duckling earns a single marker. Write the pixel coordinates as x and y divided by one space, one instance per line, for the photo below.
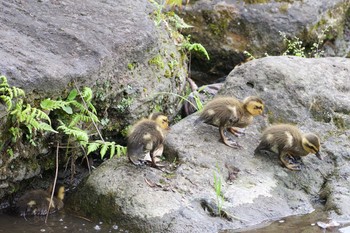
37 202
229 113
146 137
289 143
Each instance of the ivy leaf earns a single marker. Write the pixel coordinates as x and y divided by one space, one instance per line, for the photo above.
67 109
72 94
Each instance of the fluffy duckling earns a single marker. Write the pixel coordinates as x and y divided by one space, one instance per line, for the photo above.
146 138
228 113
37 202
289 143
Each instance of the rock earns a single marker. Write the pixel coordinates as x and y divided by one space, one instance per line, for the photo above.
228 28
149 200
115 48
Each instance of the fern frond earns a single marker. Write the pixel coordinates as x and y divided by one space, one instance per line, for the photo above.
46 127
78 118
112 150
79 134
17 92
79 106
8 101
3 80
87 94
93 146
104 149
93 117
92 108
121 150
49 104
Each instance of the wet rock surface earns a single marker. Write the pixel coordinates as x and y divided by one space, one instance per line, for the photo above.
228 28
50 47
255 188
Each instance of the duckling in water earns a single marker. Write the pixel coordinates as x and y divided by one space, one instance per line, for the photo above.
146 137
289 143
37 202
228 113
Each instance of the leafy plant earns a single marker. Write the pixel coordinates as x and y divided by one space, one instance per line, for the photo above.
294 46
197 106
195 47
22 118
77 116
316 47
175 24
217 187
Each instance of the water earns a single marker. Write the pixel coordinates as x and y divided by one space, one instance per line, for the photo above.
58 222
63 222
298 224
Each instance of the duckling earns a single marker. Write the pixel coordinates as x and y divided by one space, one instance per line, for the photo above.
290 144
146 138
37 202
228 113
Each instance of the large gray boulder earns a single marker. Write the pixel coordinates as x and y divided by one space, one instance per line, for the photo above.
228 28
113 47
312 93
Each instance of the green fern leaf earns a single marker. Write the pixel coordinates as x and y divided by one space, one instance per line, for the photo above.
79 134
87 94
49 104
112 150
92 108
41 115
7 101
121 150
46 127
3 81
93 146
17 92
103 150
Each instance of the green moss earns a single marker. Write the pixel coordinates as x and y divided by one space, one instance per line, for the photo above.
284 8
167 73
340 122
124 104
219 28
132 66
157 61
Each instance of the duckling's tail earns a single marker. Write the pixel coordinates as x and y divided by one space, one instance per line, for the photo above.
198 120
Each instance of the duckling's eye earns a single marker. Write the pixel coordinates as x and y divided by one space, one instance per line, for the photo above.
258 107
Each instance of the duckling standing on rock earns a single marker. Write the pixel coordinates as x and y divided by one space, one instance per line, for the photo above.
37 202
289 143
146 138
228 113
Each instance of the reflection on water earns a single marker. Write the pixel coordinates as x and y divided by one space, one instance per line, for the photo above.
63 222
296 224
59 222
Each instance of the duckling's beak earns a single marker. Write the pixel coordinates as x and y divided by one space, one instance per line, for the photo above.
318 155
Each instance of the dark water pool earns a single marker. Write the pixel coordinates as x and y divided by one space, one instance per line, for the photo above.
66 222
58 222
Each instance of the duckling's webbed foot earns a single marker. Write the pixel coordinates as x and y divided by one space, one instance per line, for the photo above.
137 162
291 162
228 141
235 131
